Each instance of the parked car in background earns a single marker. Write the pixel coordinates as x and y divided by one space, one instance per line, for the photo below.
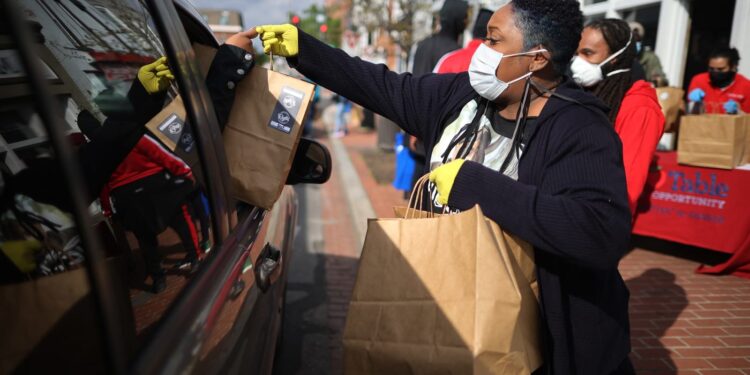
74 294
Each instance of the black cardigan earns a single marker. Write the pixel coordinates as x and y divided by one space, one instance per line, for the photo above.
570 200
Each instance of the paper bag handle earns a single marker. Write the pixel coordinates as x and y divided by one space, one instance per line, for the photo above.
417 204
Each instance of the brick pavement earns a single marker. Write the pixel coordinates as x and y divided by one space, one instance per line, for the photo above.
682 322
340 262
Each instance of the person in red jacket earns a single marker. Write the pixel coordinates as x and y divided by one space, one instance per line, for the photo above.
458 61
602 65
150 190
721 89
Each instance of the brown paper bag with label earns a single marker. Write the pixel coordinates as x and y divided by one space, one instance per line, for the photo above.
170 128
452 294
262 133
716 141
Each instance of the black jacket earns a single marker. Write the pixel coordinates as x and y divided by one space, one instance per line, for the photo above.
570 201
430 50
224 75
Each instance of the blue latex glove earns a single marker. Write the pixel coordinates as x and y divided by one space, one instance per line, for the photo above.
731 107
696 95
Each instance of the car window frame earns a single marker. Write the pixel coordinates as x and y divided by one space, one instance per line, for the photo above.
175 345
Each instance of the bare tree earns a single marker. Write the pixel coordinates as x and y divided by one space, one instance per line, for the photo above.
396 17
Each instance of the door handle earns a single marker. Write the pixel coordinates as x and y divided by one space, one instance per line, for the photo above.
267 262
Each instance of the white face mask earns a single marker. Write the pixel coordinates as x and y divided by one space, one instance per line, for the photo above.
587 74
484 64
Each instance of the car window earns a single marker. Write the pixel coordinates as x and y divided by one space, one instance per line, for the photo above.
147 198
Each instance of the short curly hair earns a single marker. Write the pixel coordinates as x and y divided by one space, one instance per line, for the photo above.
728 53
554 24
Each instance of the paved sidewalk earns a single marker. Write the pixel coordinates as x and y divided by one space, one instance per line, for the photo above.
682 322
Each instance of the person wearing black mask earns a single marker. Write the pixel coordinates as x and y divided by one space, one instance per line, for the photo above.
721 89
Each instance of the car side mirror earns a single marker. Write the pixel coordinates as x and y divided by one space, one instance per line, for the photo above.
311 165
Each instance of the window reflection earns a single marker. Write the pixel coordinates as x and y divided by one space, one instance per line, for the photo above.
147 204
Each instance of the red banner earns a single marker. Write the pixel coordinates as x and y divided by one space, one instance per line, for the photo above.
703 207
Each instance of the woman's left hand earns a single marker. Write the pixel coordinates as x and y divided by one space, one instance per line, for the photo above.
443 177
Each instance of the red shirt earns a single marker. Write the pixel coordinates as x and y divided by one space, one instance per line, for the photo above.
640 124
147 158
739 91
457 61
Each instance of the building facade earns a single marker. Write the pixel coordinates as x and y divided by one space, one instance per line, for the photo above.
223 22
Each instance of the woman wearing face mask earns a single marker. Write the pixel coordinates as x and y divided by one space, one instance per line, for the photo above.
602 66
532 149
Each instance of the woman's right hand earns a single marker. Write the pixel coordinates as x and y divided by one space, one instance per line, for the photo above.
281 40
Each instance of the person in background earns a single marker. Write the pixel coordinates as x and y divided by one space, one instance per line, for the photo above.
722 89
458 61
647 58
602 66
307 130
517 138
343 108
453 20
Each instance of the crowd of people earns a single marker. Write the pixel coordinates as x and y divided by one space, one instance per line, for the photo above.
613 64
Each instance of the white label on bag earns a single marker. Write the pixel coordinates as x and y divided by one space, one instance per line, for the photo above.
178 132
285 113
172 128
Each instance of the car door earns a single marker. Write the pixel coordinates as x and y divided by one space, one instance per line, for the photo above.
89 54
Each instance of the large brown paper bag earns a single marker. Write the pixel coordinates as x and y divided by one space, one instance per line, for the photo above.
263 132
716 141
41 315
672 102
453 294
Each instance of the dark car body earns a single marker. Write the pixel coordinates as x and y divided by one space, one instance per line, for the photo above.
68 55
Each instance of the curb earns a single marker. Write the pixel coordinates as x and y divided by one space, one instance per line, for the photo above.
360 207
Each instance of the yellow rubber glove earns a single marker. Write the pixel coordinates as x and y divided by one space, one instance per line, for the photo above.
281 40
21 253
155 77
443 177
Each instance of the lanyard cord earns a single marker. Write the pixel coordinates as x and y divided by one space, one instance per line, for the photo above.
467 134
520 129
